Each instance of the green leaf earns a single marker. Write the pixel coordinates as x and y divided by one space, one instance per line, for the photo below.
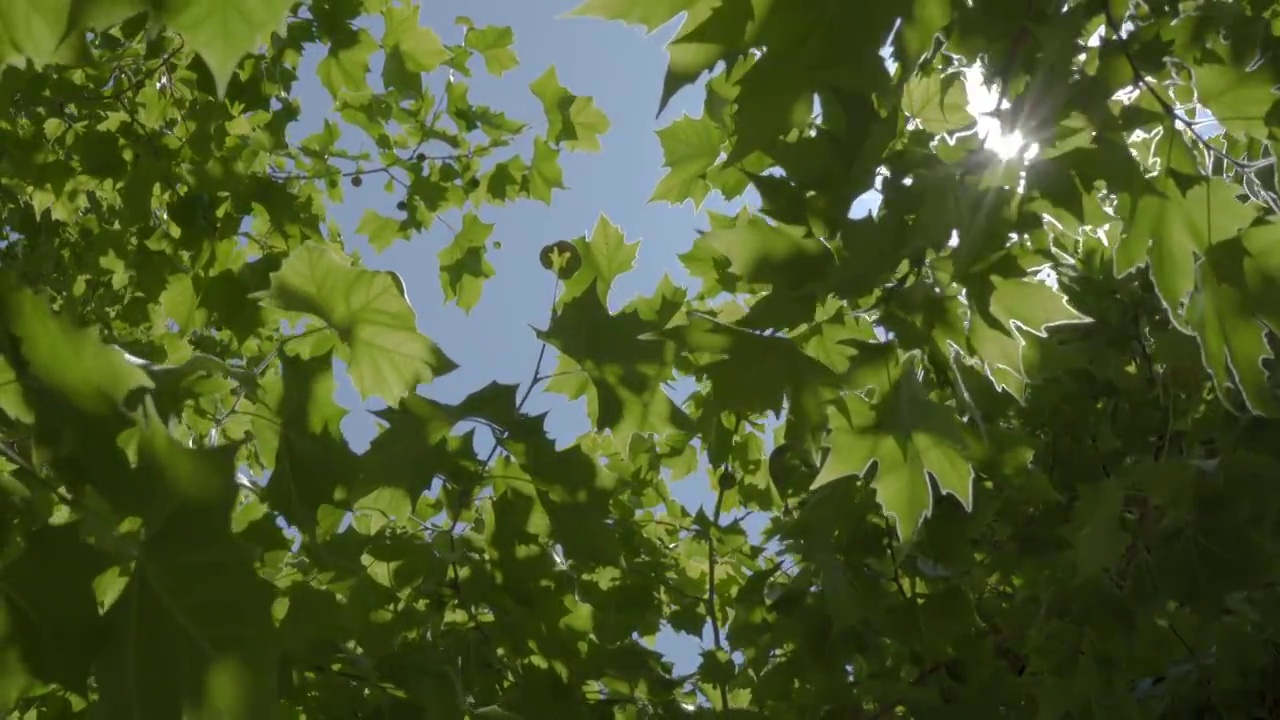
102 14
710 33
690 146
380 508
313 465
650 15
1099 539
759 252
380 229
545 174
1238 97
924 20
207 646
368 310
750 372
50 607
1007 308
420 47
12 403
1226 312
180 304
463 266
913 441
223 32
940 103
494 44
347 67
73 363
1169 229
626 372
35 28
604 255
573 122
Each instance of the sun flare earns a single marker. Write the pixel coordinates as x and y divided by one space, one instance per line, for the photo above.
982 103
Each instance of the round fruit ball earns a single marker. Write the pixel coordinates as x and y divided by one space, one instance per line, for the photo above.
561 258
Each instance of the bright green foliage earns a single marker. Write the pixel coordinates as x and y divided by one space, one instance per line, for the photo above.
911 438
1005 447
369 313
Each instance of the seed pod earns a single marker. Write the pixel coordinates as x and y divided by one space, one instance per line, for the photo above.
561 258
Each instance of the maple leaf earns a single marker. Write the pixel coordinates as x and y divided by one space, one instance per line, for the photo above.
759 252
369 312
573 121
1169 228
938 102
1231 311
912 439
604 254
313 465
690 146
208 638
1001 309
72 362
463 265
650 15
223 32
626 372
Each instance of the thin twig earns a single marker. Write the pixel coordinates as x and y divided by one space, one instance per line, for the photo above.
1245 169
455 580
711 588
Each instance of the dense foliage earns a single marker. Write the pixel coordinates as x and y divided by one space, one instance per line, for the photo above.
1012 432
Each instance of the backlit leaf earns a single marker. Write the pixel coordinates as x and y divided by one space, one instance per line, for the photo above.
370 314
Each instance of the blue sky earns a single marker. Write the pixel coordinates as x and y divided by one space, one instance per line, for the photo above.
622 70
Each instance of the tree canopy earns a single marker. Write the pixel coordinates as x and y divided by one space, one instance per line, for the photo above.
1014 432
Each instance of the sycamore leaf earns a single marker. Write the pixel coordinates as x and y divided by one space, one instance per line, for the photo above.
759 252
1001 309
102 14
1097 535
912 439
35 28
380 229
626 372
368 310
690 147
180 303
545 173
939 103
921 23
224 32
12 403
753 373
1226 310
418 45
313 465
602 256
573 121
52 617
71 362
463 265
1169 229
650 15
207 647
347 67
1238 97
494 45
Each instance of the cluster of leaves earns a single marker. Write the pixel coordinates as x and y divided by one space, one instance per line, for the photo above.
1012 434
